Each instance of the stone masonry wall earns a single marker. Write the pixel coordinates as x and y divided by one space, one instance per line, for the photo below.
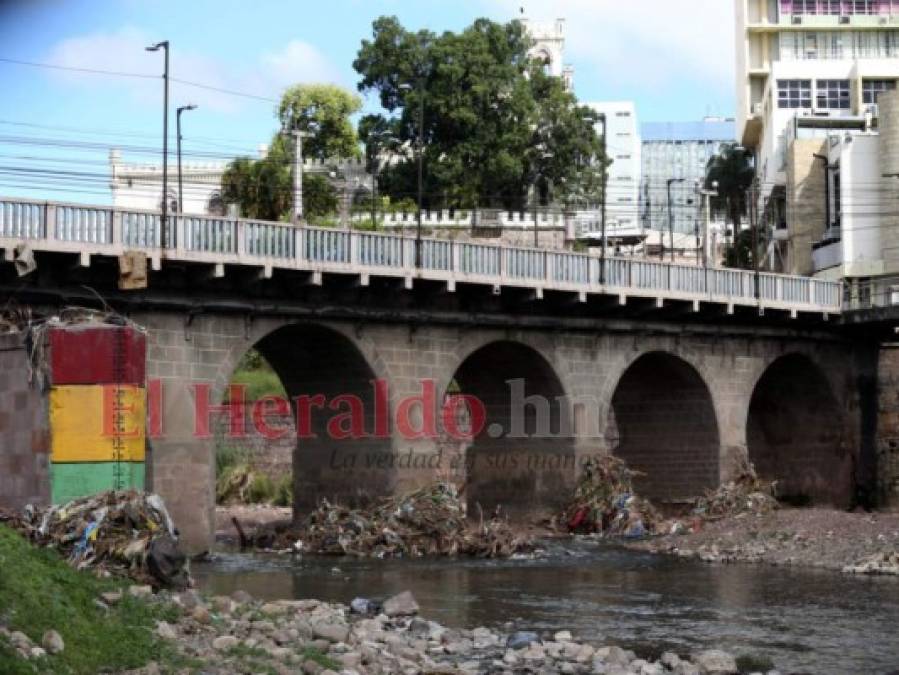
24 430
887 439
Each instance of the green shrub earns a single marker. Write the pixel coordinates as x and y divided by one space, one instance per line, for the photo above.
283 491
261 489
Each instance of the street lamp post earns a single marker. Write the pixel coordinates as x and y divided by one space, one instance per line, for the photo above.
605 180
163 238
420 152
671 181
180 179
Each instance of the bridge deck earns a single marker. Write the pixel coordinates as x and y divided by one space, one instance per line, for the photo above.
105 231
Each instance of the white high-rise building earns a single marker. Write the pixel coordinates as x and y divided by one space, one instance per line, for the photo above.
623 148
807 69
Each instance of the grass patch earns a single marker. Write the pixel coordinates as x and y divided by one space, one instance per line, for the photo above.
322 659
39 592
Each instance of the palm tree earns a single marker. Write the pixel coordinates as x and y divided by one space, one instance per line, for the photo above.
732 173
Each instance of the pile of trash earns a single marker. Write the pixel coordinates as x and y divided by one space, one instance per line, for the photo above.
746 494
430 521
885 563
127 533
604 502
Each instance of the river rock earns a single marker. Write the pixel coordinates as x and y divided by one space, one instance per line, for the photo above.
140 591
52 642
111 597
165 630
241 597
403 604
331 632
225 642
562 636
715 662
201 615
521 639
670 660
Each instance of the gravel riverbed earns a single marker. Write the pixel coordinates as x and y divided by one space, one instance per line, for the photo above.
237 634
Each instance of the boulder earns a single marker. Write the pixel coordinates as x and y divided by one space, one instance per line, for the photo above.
403 604
715 662
52 642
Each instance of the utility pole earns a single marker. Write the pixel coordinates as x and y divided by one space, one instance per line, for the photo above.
298 174
707 195
671 181
163 222
180 180
602 206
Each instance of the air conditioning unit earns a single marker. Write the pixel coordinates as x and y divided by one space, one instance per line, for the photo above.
797 20
844 19
873 110
758 109
884 21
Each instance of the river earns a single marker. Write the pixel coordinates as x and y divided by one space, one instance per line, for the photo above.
803 620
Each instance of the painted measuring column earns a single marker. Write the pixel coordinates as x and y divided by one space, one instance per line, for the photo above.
97 409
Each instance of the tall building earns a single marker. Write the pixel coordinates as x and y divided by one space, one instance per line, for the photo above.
677 150
549 47
806 70
623 148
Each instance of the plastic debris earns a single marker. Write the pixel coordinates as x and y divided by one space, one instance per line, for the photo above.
604 502
431 521
122 532
746 494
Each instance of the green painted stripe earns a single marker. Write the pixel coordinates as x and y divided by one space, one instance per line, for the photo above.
72 480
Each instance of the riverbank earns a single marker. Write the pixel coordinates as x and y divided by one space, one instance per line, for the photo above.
56 619
807 537
237 634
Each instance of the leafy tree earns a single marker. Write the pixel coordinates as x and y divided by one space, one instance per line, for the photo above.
733 173
324 110
493 120
263 188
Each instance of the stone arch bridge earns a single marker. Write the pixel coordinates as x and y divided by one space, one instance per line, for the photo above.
683 406
683 371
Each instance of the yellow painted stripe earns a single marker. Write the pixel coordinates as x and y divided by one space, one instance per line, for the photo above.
83 423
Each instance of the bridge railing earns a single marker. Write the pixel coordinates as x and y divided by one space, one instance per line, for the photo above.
239 241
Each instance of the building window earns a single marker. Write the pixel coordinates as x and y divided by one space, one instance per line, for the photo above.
863 7
805 6
622 114
833 94
871 88
794 93
837 199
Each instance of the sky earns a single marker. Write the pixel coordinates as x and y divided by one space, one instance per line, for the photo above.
674 59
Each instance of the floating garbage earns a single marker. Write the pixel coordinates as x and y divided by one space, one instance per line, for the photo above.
431 521
604 502
120 532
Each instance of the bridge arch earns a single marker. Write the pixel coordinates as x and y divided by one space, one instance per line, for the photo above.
322 367
662 421
523 459
796 433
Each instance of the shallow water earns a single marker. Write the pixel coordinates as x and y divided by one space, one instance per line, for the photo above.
805 621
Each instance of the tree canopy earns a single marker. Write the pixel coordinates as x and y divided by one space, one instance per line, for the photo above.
494 123
263 188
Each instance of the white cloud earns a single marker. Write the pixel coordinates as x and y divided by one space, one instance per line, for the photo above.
124 51
652 42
